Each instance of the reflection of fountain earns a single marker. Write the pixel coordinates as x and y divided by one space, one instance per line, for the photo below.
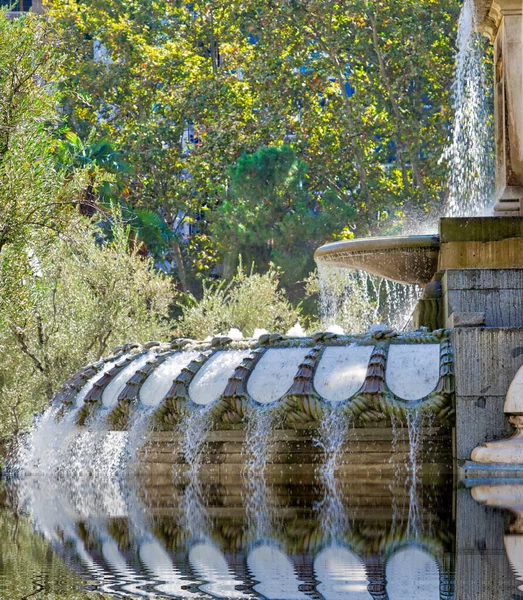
509 497
128 559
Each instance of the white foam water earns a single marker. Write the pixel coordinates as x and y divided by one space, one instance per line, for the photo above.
414 428
261 421
470 153
330 437
193 429
352 300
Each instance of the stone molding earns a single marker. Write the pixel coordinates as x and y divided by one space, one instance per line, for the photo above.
373 402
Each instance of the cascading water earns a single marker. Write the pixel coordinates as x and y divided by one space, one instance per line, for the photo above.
414 428
193 429
258 441
330 438
470 153
354 300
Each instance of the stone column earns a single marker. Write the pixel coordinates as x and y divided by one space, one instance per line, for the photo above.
504 27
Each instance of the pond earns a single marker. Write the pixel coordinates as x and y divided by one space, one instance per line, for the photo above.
387 538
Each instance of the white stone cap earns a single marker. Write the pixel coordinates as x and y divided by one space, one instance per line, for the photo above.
514 399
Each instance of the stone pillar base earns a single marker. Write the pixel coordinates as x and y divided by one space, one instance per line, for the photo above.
509 451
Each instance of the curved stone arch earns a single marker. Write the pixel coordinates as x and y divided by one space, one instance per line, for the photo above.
117 385
176 358
177 400
129 395
94 396
412 371
355 359
235 398
268 390
210 382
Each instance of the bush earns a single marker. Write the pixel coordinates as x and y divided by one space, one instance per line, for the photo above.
76 299
249 301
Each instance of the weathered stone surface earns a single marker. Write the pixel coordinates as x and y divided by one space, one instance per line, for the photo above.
413 371
479 229
486 360
481 561
466 319
502 308
483 279
479 419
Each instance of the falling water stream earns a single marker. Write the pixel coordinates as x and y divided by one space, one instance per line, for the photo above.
354 300
258 441
330 438
193 429
470 153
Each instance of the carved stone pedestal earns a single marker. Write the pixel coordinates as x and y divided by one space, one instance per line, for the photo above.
503 25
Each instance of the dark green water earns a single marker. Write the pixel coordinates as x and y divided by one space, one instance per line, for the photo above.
354 541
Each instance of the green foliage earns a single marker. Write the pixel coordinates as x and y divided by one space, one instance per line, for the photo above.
360 91
247 302
270 215
34 196
26 562
81 298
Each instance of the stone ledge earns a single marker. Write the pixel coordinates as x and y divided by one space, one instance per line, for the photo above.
466 319
472 473
482 279
480 229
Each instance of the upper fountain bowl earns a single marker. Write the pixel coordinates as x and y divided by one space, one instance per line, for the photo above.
411 259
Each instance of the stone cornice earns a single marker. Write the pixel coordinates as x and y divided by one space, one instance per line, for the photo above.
489 14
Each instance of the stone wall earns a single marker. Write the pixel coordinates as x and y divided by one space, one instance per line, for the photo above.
484 308
369 454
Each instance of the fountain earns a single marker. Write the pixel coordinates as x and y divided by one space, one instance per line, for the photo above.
234 466
287 408
191 402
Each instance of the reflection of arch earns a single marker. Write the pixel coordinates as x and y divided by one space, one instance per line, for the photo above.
159 563
210 564
130 581
341 575
275 573
412 574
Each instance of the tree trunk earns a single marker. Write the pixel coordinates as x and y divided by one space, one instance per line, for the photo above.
182 274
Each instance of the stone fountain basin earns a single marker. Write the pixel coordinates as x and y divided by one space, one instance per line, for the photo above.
411 259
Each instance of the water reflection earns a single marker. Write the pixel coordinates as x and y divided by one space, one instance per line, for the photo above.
148 548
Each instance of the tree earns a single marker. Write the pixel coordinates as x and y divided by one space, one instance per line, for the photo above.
34 195
81 298
359 91
103 166
269 215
